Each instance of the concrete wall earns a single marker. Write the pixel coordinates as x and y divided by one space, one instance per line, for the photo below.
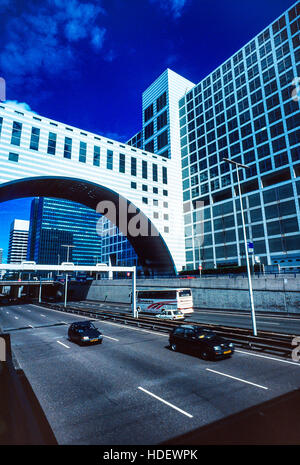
270 293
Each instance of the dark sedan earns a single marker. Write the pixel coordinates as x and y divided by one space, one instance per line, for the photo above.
201 341
84 332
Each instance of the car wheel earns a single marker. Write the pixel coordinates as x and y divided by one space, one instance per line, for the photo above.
173 347
204 355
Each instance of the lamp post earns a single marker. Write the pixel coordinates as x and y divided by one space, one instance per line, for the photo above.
67 277
237 166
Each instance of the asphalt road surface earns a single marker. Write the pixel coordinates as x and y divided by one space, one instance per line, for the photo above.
240 319
132 389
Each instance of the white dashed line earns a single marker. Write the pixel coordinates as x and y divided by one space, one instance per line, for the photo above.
165 402
61 343
113 338
237 379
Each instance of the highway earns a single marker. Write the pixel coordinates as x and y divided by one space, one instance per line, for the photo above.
274 323
132 389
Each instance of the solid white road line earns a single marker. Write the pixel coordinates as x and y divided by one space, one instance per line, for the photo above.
165 402
238 379
61 343
270 358
16 317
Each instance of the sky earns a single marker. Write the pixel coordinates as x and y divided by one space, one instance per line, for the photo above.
87 63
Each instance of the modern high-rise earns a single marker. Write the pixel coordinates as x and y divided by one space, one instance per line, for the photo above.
18 240
57 223
246 110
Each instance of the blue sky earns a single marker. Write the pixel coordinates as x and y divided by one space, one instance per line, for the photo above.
86 63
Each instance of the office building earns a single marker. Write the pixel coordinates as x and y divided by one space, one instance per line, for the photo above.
55 223
246 110
18 240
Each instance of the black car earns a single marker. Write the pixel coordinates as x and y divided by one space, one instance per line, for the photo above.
84 332
203 342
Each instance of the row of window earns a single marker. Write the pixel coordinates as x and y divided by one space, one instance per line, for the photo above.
161 121
248 56
277 244
160 103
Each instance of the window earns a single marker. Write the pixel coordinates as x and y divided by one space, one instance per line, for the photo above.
165 175
149 130
68 147
51 143
144 200
161 101
133 185
109 161
13 157
96 159
144 169
162 140
122 163
150 146
35 137
82 152
154 172
148 113
1 122
133 166
162 120
16 133
265 165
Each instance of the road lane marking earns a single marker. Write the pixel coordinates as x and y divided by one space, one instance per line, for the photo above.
113 338
61 343
165 402
238 379
29 311
270 358
30 326
16 317
43 315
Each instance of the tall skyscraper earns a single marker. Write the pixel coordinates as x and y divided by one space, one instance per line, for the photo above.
55 223
18 240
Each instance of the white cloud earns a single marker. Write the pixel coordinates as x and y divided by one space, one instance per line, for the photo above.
19 105
44 40
174 7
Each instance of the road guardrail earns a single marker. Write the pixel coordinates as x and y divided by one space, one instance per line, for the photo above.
265 341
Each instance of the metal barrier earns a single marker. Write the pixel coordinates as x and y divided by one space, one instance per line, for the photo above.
275 343
22 421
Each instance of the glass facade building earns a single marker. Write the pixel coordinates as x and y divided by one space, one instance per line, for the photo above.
247 110
116 249
56 222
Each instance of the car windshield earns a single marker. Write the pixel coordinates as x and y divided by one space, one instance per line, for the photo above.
204 333
177 312
85 326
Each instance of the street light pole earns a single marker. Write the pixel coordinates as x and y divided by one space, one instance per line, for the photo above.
67 276
239 165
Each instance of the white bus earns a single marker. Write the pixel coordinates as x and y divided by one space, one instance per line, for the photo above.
157 300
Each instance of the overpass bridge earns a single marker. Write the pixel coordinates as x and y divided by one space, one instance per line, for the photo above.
138 191
68 268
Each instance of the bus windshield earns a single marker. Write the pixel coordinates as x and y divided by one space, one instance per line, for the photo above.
185 293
